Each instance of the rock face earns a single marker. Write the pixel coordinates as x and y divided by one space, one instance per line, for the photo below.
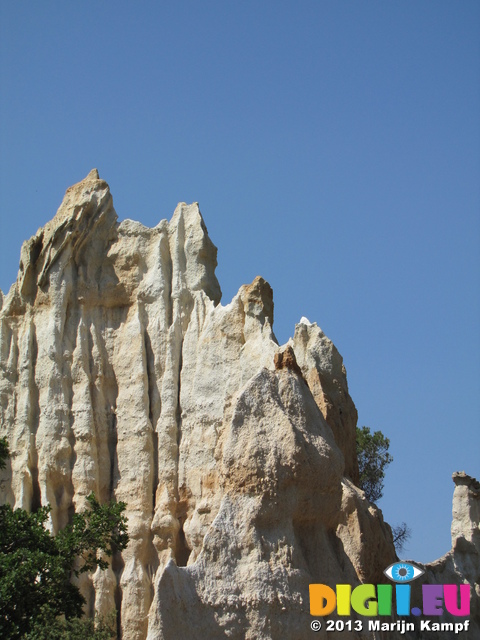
121 373
462 563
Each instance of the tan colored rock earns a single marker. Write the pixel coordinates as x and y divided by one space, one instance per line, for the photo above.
366 539
461 565
324 371
285 359
279 480
122 374
466 511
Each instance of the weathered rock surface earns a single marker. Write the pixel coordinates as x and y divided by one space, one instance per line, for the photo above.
121 373
462 563
325 374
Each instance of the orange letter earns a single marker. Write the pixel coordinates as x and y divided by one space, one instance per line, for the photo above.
322 600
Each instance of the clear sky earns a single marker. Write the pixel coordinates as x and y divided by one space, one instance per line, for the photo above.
334 148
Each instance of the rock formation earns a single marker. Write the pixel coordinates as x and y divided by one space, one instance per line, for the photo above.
462 563
121 373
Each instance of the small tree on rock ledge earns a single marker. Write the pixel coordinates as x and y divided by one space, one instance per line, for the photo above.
373 458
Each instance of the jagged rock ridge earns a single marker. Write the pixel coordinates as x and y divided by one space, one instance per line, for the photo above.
121 373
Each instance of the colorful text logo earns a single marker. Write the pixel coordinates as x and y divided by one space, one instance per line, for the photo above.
377 600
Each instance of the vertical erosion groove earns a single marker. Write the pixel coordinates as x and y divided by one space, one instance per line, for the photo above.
100 411
12 363
182 550
67 344
117 568
178 410
34 420
112 321
112 449
155 469
168 284
153 395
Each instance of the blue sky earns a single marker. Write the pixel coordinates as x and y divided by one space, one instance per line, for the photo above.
334 148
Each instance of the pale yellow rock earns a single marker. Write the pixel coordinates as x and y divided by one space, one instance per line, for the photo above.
466 510
323 369
461 565
121 373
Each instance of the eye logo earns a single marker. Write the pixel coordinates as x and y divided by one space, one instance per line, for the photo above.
403 572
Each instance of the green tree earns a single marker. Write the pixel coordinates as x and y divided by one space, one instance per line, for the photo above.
373 458
36 567
47 627
4 453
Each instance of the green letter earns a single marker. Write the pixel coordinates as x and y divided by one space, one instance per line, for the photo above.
360 596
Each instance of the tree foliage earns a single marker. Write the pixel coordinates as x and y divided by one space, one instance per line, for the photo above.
48 627
4 453
100 530
373 458
36 567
